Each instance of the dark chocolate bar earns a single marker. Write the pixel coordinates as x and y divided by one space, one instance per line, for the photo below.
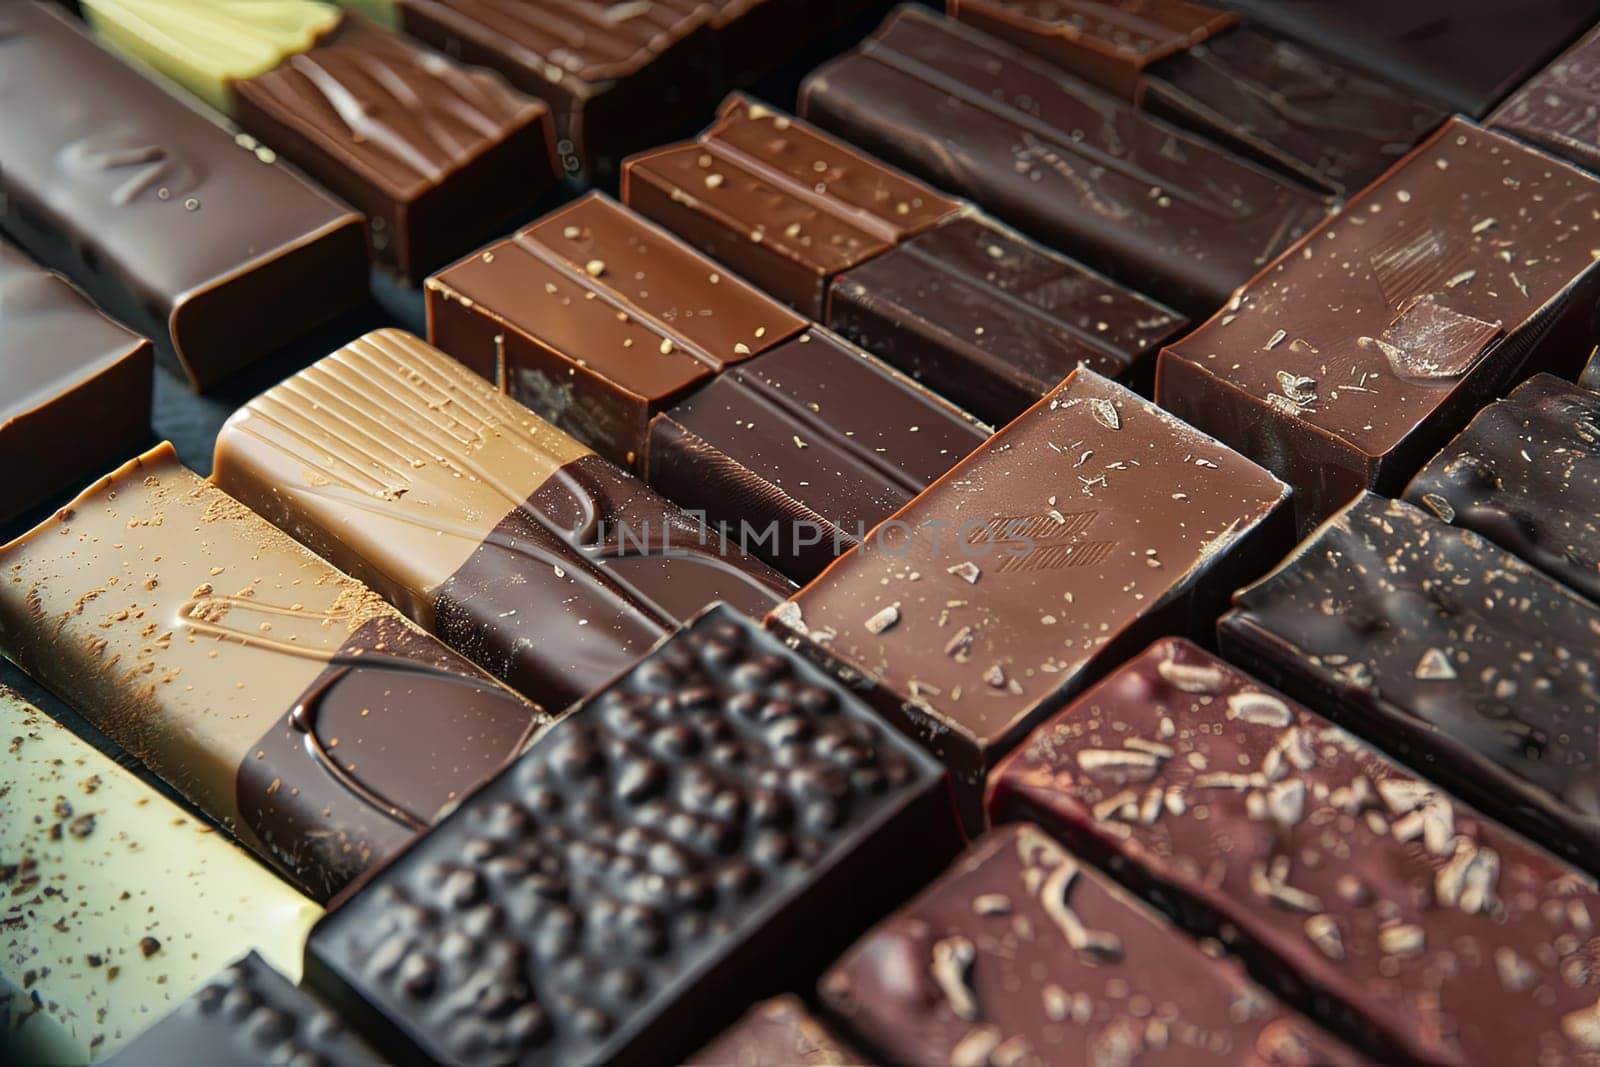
1357 355
1526 474
1445 650
209 248
1022 954
76 393
781 203
1091 524
977 312
1558 109
625 889
1156 208
798 452
777 1032
596 320
516 545
1351 887
284 699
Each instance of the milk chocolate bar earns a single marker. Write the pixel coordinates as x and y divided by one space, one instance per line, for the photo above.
285 700
436 155
1157 209
1558 109
77 384
206 246
1022 954
516 545
798 452
115 903
979 313
777 1031
1091 524
1348 883
1357 355
1446 650
596 320
627 887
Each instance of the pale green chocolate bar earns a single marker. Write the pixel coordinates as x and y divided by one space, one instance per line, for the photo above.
115 904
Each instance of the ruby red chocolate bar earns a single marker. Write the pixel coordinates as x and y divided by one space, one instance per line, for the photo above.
626 888
209 248
596 320
516 545
798 452
777 1031
282 698
1022 954
1526 474
1445 650
1424 930
1558 109
1090 525
1356 356
980 314
68 370
1157 209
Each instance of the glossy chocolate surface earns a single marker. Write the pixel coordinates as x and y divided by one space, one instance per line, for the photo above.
777 1031
1022 954
1356 356
1155 208
1425 930
1446 650
780 202
156 212
630 884
980 314
1558 109
517 546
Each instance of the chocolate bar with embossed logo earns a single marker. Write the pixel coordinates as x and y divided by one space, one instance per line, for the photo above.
1089 525
1356 355
284 699
516 545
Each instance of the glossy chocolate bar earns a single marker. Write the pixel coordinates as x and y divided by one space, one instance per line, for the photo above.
516 545
1423 930
1021 954
596 320
76 384
1157 209
1446 650
1091 524
1356 356
775 1032
706 831
1558 109
979 313
284 699
209 248
115 903
797 453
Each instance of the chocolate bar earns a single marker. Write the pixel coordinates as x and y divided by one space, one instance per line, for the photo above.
66 368
285 700
1022 954
782 204
516 545
1091 524
1444 649
1362 350
1347 883
249 1014
114 902
1288 107
777 1031
1107 42
1558 109
1526 474
596 320
157 213
1589 377
638 876
435 154
977 312
1157 209
804 448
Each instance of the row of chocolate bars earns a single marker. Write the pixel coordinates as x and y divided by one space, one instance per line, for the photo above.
628 657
